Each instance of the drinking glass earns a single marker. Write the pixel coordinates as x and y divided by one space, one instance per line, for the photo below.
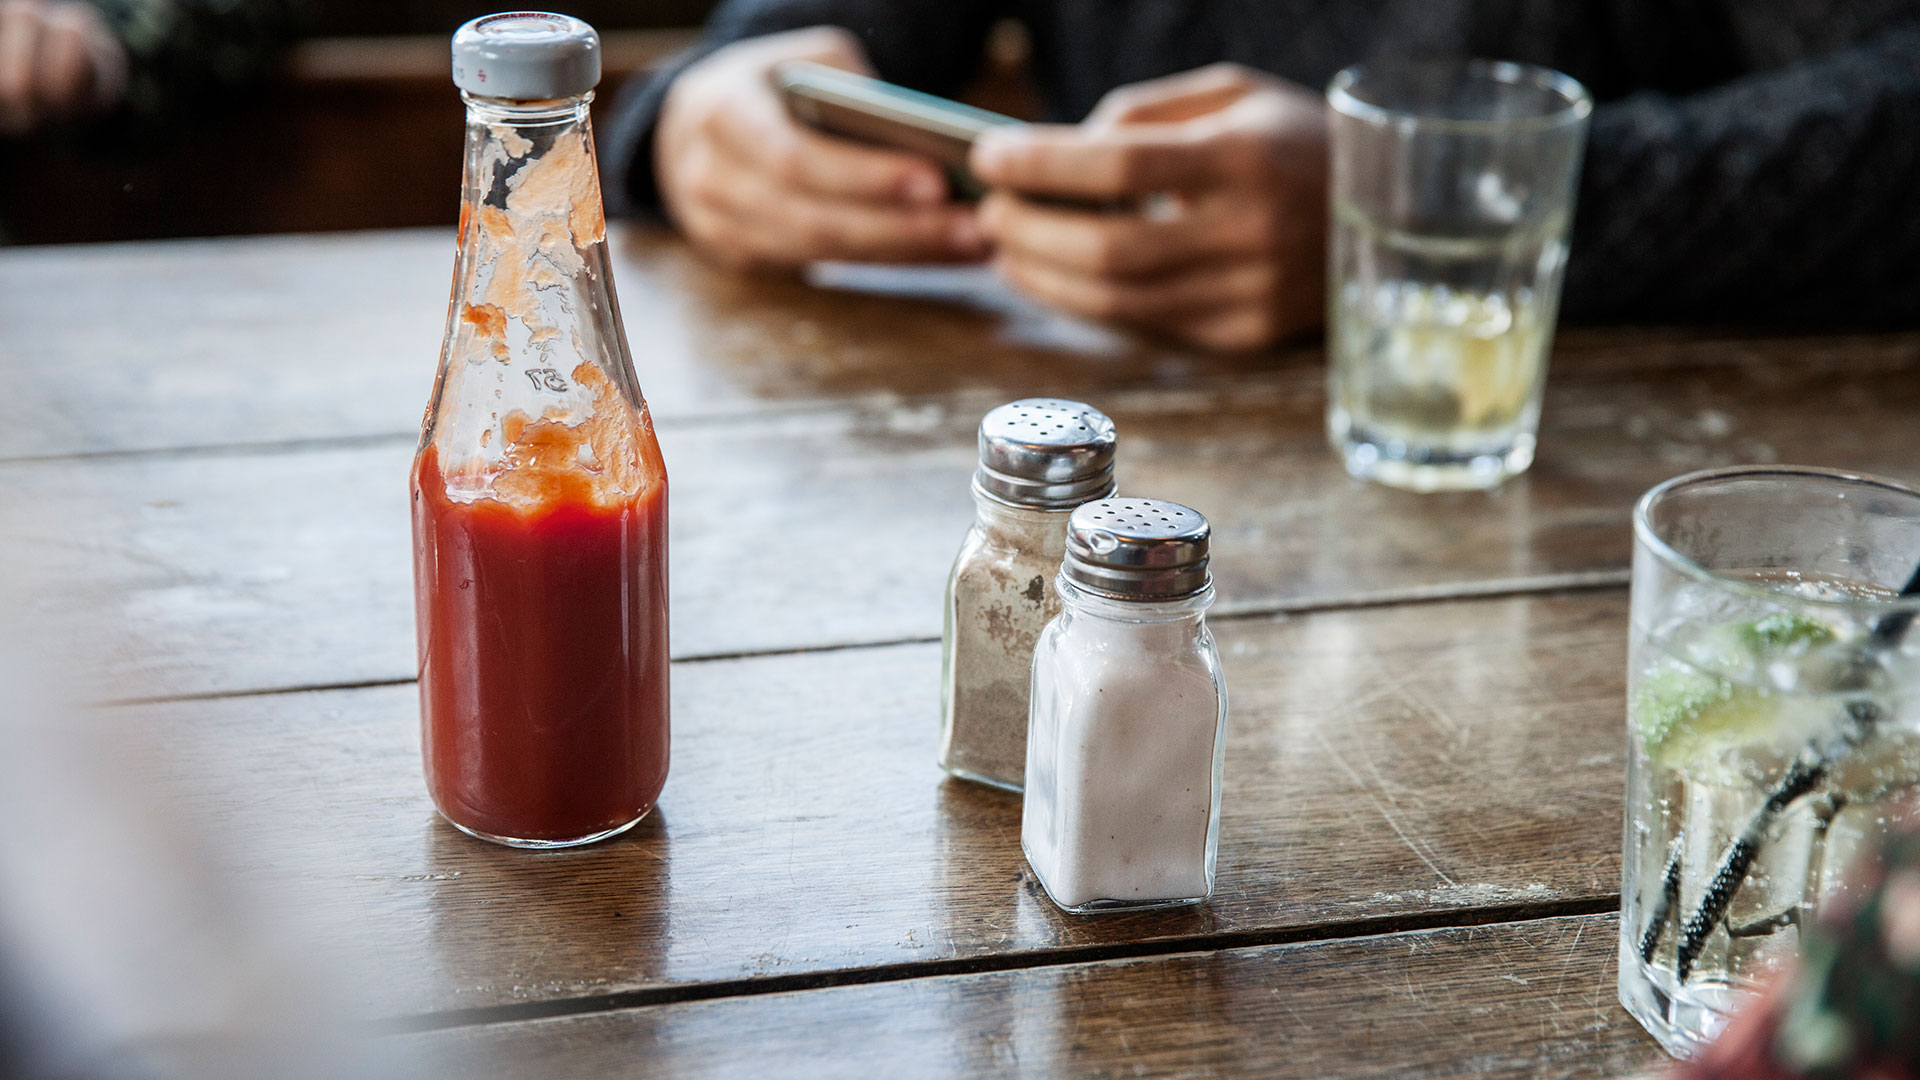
1452 188
1773 719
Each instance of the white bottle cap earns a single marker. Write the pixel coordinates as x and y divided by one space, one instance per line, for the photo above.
526 56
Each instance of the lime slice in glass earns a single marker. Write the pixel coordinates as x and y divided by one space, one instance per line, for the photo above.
1782 633
1687 716
1703 724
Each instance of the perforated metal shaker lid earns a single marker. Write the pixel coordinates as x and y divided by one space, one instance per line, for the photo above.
1138 549
1046 453
526 56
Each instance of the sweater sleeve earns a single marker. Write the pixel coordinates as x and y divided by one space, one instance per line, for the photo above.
930 45
1787 196
182 54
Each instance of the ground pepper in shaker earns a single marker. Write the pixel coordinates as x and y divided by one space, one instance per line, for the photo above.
1039 458
1129 715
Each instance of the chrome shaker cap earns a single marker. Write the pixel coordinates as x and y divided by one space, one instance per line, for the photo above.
526 56
1138 549
1046 453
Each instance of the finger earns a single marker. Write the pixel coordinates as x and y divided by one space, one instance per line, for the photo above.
763 135
1118 244
1234 330
62 69
20 29
717 235
1250 282
1175 97
1295 305
829 45
698 215
1127 162
795 226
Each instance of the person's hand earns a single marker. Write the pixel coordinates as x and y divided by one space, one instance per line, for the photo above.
754 187
58 59
1205 208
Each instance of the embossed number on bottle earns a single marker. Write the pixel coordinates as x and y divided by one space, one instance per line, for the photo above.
547 378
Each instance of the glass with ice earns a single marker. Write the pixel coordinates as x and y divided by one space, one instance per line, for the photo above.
1452 188
1773 718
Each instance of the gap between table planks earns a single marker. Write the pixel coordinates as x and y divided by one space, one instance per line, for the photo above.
1628 408
1532 1000
780 348
238 571
1393 767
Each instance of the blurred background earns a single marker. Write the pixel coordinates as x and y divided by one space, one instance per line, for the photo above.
305 117
351 122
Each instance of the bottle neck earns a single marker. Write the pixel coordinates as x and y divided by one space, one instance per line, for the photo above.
1083 602
507 140
998 516
533 115
534 342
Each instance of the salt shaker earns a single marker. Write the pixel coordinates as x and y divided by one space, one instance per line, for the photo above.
1128 717
1039 458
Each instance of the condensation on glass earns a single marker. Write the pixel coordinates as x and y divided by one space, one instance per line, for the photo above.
1773 725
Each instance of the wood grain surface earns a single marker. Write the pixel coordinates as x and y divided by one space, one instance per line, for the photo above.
274 340
1400 765
287 339
1532 1001
242 569
206 475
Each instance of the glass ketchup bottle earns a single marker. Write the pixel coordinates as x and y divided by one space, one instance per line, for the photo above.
539 495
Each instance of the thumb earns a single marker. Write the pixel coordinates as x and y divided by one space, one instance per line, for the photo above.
1174 98
1089 164
830 46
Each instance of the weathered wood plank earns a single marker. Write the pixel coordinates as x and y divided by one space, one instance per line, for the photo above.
219 572
213 342
1387 765
196 343
1533 1000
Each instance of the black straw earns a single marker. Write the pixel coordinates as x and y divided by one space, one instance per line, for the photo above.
1808 770
1800 779
1663 907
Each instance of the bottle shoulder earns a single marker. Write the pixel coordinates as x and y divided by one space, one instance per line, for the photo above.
1005 541
1129 655
1041 532
536 400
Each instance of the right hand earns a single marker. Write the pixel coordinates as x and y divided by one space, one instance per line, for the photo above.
755 188
1197 207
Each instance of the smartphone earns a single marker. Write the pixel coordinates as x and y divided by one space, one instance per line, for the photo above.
857 107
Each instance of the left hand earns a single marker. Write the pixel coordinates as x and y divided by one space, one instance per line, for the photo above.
1205 213
58 59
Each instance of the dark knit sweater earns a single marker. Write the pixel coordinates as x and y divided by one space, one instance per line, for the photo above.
1750 160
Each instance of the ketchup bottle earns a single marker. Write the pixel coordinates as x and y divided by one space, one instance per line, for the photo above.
539 496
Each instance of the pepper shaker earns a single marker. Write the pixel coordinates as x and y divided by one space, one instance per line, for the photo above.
1128 716
1039 458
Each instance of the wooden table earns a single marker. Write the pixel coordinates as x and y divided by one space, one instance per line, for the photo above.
1420 848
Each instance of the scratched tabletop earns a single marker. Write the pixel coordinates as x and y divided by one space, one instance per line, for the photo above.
1420 847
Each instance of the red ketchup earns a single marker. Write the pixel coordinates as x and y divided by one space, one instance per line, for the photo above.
543 654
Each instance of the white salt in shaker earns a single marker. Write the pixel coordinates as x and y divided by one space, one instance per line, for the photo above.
1039 458
1128 721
